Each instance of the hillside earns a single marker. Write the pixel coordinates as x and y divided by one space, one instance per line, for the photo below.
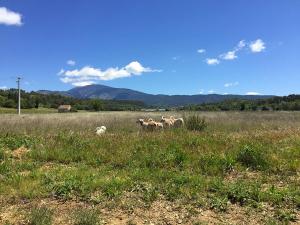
106 92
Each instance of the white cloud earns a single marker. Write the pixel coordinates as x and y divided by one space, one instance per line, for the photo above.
175 58
9 18
229 55
252 93
3 88
61 72
257 46
231 84
211 92
71 62
240 45
225 93
88 75
212 61
201 91
83 83
201 50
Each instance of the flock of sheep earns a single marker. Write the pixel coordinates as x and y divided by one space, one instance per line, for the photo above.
151 125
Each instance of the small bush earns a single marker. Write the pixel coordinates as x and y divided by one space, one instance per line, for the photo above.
285 216
252 158
86 217
195 123
214 164
16 141
40 216
219 204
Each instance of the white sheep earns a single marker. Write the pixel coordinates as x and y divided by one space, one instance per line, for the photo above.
150 124
100 130
142 123
179 122
167 122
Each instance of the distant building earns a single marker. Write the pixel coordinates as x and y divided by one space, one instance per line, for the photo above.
64 108
153 110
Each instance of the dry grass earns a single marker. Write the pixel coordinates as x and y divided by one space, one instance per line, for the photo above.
243 169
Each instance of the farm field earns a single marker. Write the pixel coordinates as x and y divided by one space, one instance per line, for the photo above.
26 111
243 168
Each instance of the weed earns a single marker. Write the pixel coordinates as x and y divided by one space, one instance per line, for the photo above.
195 123
285 216
218 204
40 216
214 164
252 157
86 217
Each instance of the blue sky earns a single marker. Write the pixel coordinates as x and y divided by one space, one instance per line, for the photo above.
168 47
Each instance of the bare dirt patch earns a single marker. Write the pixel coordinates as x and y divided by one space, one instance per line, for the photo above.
159 213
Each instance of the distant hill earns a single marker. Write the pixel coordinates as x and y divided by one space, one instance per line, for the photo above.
110 93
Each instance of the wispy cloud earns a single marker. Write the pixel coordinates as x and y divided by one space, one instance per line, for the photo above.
240 45
212 61
211 92
3 88
254 46
257 46
252 93
61 72
201 91
201 50
176 58
10 18
88 75
83 83
231 84
71 62
229 55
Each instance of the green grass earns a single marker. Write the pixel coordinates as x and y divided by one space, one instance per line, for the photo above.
86 217
211 169
27 111
40 216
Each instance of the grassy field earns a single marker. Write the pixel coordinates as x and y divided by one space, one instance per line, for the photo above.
244 168
26 111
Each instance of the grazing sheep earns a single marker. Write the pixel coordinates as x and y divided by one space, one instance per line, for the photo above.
100 130
159 125
150 125
143 123
179 122
167 122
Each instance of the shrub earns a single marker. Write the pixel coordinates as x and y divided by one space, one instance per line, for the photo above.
218 204
252 158
40 216
214 164
16 141
86 217
285 216
244 193
195 123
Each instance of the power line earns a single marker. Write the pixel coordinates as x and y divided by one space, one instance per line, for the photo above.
19 96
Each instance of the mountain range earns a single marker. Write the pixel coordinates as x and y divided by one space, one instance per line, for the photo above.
97 91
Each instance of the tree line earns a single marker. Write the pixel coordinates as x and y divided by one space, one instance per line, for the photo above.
286 103
9 99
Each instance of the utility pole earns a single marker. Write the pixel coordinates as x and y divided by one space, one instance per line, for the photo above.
19 96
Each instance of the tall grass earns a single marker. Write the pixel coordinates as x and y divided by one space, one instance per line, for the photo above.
245 159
